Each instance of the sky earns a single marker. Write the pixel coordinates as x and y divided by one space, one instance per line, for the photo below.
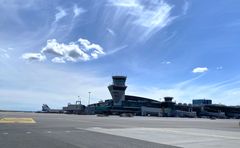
57 51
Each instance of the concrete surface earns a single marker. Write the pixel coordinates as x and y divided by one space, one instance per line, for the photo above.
182 137
80 131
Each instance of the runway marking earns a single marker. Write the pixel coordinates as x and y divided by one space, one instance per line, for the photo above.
17 120
49 132
28 132
67 131
183 131
5 133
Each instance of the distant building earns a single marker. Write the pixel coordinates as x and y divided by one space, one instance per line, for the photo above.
76 108
122 104
128 105
201 102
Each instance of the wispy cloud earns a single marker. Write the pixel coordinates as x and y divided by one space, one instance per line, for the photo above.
170 37
152 18
34 57
159 17
223 92
111 31
4 53
3 50
219 68
77 10
188 82
166 62
185 7
117 49
200 70
125 3
60 14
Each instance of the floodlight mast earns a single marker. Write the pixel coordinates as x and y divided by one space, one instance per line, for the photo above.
89 94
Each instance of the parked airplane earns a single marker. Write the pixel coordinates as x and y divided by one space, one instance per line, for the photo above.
47 109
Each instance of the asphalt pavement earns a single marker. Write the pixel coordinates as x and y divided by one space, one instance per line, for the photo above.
90 131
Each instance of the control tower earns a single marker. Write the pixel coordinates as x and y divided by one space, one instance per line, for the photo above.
117 89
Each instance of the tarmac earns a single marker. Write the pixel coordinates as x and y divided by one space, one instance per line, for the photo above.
38 130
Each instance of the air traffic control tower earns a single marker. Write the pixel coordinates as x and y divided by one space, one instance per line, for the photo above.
117 89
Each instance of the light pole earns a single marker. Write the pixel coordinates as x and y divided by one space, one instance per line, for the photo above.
89 93
80 99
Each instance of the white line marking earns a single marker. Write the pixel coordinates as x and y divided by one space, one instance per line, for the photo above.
79 128
67 131
28 132
49 132
5 133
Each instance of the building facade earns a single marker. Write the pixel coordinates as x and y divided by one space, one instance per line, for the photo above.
201 102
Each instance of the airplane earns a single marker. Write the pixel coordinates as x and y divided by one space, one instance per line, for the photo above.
47 109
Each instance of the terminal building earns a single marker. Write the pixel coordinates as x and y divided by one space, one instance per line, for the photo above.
136 105
122 104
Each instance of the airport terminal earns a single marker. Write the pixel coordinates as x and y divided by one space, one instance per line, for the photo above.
128 105
153 124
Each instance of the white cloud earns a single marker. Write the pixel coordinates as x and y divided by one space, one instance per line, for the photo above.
60 14
34 57
58 60
200 70
69 52
87 45
77 10
83 50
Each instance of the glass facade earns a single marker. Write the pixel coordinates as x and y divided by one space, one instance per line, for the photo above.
201 102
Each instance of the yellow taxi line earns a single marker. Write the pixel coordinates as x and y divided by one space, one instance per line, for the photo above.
17 120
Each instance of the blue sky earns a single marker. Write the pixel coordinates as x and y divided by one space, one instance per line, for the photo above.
53 51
